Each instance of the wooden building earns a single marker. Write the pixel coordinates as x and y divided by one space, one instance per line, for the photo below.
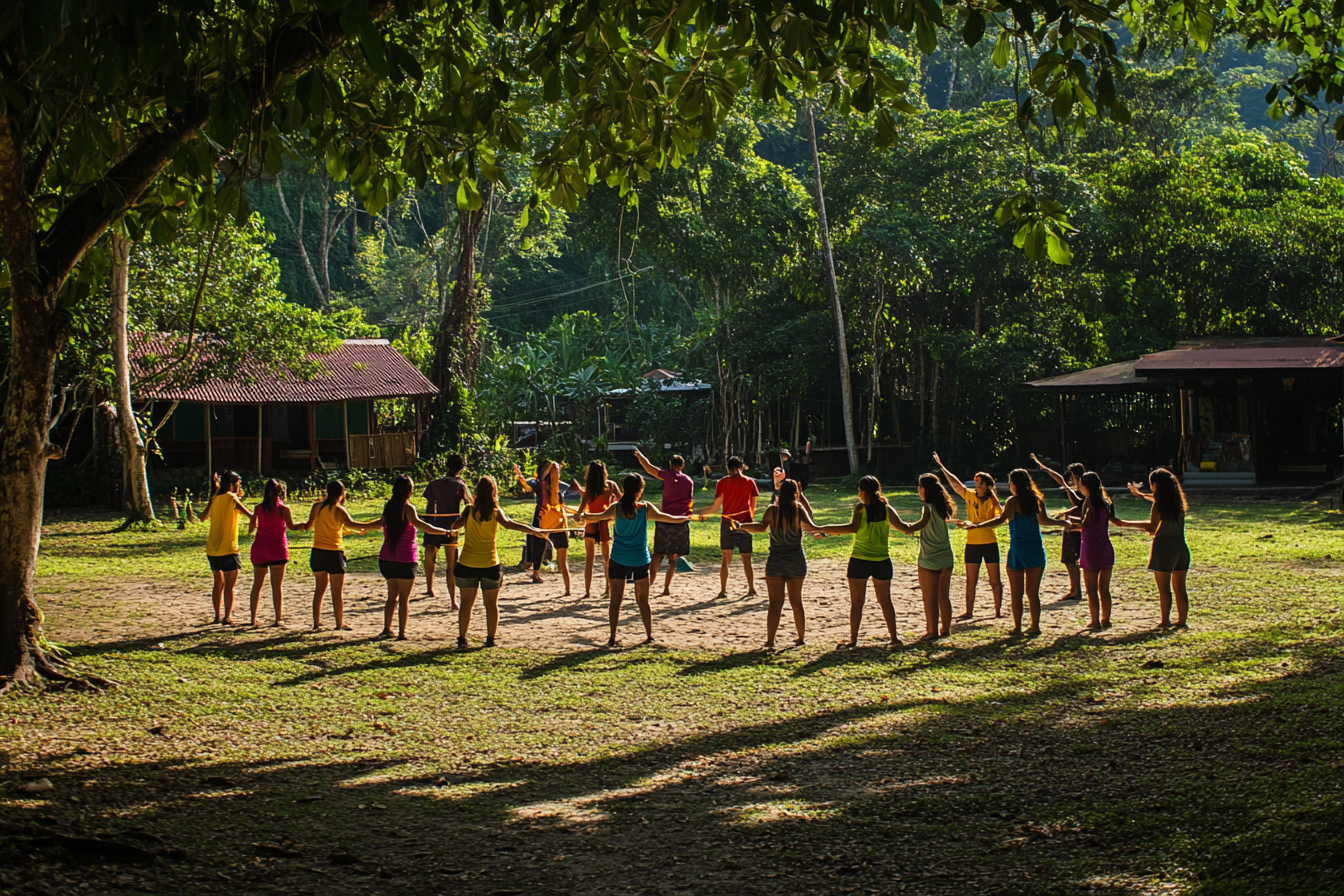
267 422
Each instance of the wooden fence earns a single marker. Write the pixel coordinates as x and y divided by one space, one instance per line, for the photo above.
388 449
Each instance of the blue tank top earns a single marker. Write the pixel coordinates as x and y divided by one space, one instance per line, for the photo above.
1026 548
630 539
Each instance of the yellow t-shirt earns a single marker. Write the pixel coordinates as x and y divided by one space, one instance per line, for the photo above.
479 551
328 531
979 510
223 538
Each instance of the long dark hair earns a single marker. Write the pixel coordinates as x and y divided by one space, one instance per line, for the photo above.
1168 496
1096 492
877 502
936 496
486 501
227 480
595 482
274 494
1030 501
990 485
788 517
335 491
394 511
631 489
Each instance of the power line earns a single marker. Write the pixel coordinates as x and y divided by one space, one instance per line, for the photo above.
568 292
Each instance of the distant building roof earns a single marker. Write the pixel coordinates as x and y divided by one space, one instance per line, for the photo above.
1229 356
1110 378
660 379
359 370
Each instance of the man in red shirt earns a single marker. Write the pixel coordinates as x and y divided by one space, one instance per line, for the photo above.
736 494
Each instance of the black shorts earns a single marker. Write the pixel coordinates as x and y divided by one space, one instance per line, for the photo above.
869 569
598 531
1069 548
733 539
982 553
559 540
801 474
430 540
225 562
629 573
330 562
396 569
270 563
672 539
489 578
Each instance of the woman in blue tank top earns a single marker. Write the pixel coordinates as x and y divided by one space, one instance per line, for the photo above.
1025 514
630 550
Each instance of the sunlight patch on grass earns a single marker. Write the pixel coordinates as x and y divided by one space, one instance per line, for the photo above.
781 810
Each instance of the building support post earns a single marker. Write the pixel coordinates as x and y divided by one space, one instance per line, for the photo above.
209 447
1063 433
312 437
345 427
260 407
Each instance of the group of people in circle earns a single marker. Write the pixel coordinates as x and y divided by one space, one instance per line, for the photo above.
614 520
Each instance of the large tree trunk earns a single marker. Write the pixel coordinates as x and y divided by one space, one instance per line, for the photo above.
457 344
132 444
833 291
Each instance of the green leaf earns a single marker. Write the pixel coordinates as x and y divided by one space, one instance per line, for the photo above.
468 197
1058 248
1002 49
974 29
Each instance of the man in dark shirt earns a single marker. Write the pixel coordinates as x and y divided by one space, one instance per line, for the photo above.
444 495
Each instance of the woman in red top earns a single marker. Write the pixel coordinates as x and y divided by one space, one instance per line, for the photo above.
598 493
736 495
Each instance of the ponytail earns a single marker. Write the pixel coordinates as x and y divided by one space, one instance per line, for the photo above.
335 491
274 494
788 517
1030 501
486 501
876 507
631 489
936 496
394 511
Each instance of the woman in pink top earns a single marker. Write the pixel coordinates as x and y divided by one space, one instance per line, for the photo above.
270 548
400 553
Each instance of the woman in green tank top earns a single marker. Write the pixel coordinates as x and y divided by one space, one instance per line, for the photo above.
935 555
870 525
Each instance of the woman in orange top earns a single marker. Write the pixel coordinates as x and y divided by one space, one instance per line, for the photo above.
329 521
598 493
221 545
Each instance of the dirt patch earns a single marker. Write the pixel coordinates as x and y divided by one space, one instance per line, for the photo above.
540 618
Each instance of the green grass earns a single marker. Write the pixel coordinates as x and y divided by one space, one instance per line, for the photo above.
1204 762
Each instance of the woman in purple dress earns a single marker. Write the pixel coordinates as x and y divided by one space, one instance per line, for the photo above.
1096 558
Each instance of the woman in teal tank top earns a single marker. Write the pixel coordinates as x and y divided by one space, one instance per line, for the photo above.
870 525
1024 513
630 550
935 555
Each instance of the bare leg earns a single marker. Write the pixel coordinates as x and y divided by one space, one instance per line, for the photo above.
655 564
404 587
389 606
996 586
858 589
338 601
774 590
562 558
450 562
795 588
928 591
606 561
431 555
1033 584
972 577
589 549
1182 596
1090 581
320 586
258 580
617 588
1104 593
1016 582
671 570
1075 588
1164 596
491 598
645 611
882 589
751 577
723 573
230 580
217 594
278 591
945 601
464 613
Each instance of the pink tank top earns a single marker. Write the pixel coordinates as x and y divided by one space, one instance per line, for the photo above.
406 551
271 543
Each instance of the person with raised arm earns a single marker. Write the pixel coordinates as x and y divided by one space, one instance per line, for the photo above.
670 540
630 557
869 557
444 498
478 566
549 517
735 495
786 565
1097 555
1169 557
1024 513
1071 544
221 544
329 521
982 545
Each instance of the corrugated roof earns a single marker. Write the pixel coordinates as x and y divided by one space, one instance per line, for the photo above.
1230 356
361 369
1110 378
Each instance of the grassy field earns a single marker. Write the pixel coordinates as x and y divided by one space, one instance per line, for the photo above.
1209 761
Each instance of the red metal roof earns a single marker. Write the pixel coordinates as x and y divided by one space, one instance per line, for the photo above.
1230 356
361 369
1110 378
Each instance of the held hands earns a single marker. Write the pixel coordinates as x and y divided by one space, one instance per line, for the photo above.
964 524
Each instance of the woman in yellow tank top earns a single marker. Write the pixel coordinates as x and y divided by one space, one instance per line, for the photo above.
221 545
478 566
982 545
329 521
